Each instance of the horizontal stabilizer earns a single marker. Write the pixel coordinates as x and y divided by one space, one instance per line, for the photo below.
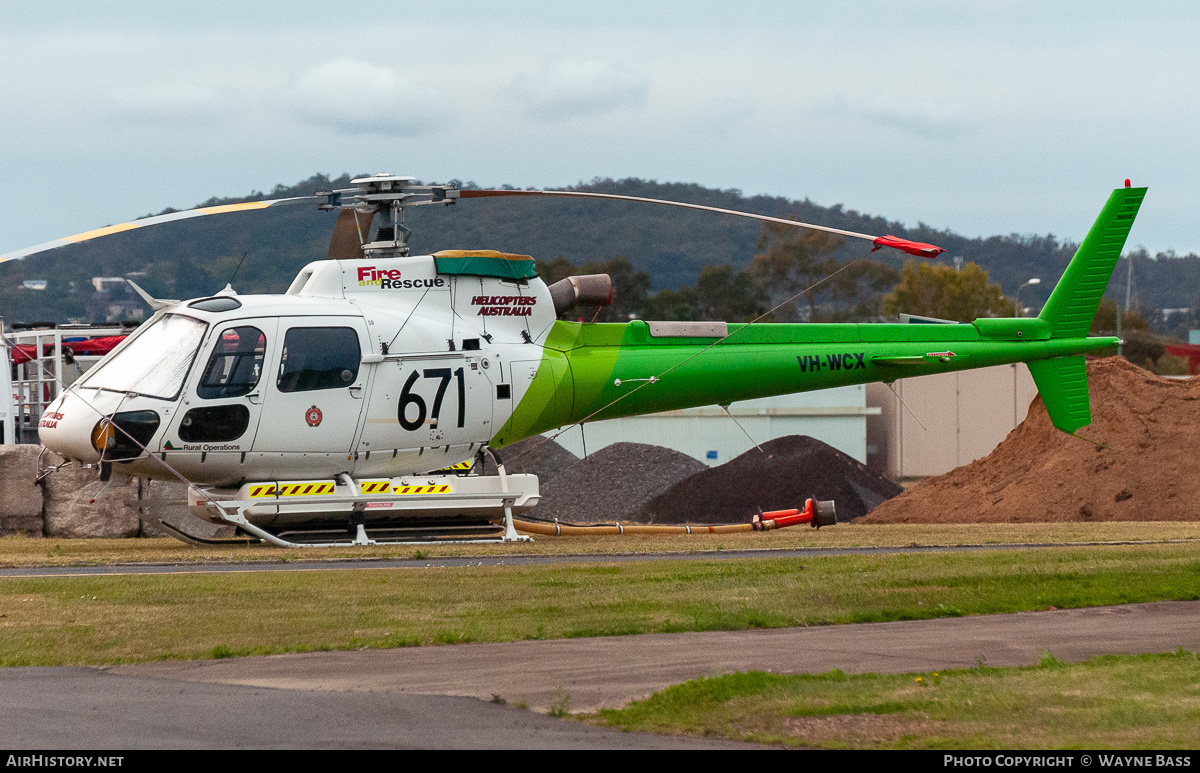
158 304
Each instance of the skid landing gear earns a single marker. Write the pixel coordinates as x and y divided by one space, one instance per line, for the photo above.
411 510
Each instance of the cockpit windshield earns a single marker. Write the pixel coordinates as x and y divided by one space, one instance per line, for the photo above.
155 362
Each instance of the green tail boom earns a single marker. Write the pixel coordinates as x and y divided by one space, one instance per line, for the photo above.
600 371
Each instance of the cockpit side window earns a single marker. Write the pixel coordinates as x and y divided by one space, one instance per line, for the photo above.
236 364
318 358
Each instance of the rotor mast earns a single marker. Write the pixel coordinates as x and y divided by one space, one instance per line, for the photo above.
388 196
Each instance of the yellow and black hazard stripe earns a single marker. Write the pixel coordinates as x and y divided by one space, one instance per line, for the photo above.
310 488
299 489
461 467
441 488
375 486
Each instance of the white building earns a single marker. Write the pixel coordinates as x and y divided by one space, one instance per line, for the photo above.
948 420
106 284
834 416
926 426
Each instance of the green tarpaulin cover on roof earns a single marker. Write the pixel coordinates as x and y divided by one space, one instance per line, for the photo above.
485 263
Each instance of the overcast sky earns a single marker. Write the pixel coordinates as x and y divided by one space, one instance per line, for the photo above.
986 118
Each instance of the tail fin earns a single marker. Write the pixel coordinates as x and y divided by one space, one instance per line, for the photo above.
1074 301
1062 381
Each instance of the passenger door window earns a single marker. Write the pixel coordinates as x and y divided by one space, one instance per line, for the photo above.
236 364
318 358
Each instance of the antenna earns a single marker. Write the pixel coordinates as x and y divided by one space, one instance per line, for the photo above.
239 267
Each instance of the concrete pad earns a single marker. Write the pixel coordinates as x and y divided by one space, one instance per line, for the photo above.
612 671
86 708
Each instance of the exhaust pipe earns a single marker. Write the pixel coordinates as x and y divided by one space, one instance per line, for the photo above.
586 290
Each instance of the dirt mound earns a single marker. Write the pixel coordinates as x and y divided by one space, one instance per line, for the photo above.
786 472
537 455
1147 467
613 483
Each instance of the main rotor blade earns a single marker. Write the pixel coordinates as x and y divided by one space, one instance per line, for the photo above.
157 219
913 248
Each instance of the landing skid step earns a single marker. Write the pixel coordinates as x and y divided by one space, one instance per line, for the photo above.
328 538
192 539
417 535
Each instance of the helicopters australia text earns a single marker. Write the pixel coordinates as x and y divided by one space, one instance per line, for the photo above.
848 361
504 305
50 419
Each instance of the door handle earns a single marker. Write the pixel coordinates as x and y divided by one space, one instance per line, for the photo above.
356 392
254 398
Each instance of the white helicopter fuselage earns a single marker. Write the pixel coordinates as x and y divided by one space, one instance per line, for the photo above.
377 367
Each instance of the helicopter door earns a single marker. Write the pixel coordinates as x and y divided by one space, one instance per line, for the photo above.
219 416
434 406
314 395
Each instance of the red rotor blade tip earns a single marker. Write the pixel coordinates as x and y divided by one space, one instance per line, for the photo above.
920 249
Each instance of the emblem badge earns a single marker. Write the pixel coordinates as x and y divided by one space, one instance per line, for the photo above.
313 416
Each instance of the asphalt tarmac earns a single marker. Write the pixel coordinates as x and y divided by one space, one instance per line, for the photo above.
442 697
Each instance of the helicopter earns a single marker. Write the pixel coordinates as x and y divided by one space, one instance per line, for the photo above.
357 406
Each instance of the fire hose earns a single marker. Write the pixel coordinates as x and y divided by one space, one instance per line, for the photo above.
814 513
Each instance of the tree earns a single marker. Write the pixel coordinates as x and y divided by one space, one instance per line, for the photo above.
1105 321
930 290
791 263
802 263
674 305
855 290
630 287
719 295
722 295
1140 345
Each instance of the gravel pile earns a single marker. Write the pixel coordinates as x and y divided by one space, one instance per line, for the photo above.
782 476
613 483
538 455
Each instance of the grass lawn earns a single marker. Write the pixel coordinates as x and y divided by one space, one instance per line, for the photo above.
131 618
1121 702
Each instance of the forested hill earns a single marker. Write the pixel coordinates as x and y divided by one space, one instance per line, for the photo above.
197 257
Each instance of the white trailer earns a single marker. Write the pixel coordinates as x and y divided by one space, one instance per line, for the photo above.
8 433
35 381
